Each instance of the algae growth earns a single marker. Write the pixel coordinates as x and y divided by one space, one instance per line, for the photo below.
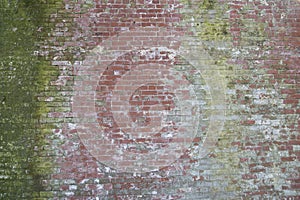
23 26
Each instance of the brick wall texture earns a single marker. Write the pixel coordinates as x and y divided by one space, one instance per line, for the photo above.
166 99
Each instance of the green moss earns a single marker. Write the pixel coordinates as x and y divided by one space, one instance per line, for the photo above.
23 77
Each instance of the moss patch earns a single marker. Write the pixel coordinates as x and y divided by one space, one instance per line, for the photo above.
23 25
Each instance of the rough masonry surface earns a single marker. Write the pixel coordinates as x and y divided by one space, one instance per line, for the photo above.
157 99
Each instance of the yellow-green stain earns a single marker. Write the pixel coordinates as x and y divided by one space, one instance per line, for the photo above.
210 20
210 24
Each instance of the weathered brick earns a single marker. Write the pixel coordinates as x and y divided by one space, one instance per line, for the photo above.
160 100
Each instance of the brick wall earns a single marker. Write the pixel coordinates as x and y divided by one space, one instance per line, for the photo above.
180 99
